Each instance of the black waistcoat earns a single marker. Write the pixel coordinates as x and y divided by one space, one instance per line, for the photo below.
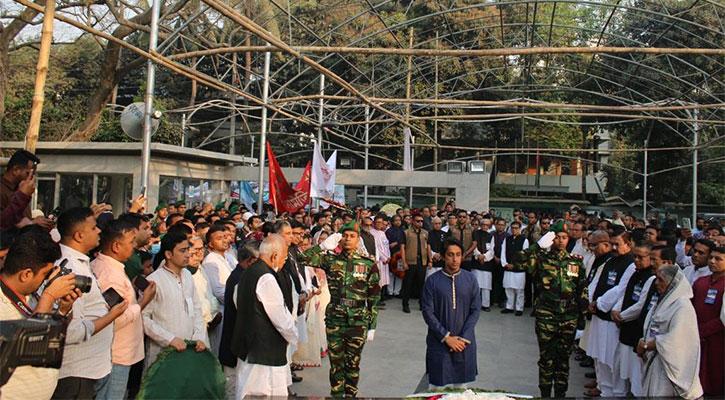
652 298
255 339
482 239
631 331
611 274
513 246
230 317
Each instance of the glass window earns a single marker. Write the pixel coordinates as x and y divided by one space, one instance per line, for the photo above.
169 189
192 191
75 191
46 195
103 191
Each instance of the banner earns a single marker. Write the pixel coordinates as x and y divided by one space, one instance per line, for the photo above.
305 180
284 197
249 194
407 159
323 174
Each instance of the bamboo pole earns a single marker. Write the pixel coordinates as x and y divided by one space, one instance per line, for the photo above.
508 104
476 117
407 112
435 121
36 110
422 52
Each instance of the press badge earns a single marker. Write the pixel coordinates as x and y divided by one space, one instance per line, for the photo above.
654 329
711 296
652 301
637 292
611 278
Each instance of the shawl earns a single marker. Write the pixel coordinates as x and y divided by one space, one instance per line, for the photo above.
677 354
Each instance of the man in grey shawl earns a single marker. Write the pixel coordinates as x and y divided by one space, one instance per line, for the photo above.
669 348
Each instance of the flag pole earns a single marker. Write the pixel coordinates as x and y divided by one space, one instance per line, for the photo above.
263 138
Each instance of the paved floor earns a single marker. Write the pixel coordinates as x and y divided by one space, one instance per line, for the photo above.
393 364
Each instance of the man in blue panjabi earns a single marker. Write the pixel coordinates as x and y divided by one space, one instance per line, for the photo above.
451 305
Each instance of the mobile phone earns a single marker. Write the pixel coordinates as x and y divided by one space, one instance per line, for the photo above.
141 283
54 213
143 191
112 297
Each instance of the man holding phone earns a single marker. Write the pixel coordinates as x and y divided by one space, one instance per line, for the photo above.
118 240
17 186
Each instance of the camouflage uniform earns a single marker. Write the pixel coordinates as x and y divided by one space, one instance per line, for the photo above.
353 280
560 306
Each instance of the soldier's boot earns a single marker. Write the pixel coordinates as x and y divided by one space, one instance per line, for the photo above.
545 392
560 392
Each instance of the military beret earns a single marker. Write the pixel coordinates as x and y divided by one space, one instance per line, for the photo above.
180 203
219 205
560 226
351 226
161 205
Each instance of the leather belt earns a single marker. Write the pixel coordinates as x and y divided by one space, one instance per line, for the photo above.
349 302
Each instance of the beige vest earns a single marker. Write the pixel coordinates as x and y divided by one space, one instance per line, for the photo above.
465 237
411 246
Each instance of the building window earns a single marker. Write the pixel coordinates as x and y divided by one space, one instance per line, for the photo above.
76 191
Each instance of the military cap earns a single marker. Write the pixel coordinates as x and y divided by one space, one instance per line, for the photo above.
180 203
219 205
559 227
351 226
234 208
161 205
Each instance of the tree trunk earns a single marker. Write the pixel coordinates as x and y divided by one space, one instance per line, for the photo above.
111 75
7 35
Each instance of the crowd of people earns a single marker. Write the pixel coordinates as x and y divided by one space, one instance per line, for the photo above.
270 295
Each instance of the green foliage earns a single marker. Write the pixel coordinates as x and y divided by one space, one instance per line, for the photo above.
504 191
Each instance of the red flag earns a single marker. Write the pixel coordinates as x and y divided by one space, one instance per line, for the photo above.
304 183
283 196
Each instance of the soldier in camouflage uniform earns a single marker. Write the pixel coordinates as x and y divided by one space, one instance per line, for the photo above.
560 306
353 280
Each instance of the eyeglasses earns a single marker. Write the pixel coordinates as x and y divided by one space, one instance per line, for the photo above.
420 221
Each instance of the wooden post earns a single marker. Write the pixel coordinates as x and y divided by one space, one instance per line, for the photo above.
31 137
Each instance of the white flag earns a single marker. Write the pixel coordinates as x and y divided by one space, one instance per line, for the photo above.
323 174
407 159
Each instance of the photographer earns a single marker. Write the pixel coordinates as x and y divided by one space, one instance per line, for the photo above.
87 357
28 263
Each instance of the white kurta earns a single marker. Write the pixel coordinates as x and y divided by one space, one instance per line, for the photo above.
513 280
209 308
604 335
382 250
175 311
693 274
216 269
264 380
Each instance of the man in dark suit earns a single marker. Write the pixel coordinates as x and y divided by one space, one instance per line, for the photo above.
248 253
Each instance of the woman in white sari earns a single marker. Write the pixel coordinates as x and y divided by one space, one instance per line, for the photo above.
671 346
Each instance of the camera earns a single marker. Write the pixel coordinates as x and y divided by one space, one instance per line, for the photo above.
37 341
83 283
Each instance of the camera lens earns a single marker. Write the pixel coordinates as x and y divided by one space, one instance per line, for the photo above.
83 283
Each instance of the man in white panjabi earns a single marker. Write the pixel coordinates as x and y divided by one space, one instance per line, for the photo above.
382 249
264 327
174 315
216 269
209 305
669 347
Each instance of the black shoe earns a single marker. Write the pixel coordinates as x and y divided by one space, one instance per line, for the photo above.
533 313
545 392
486 309
507 311
296 378
590 375
559 394
586 364
381 304
519 313
406 309
580 357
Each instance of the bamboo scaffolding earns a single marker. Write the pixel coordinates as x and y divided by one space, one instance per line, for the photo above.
474 117
36 110
172 65
455 52
511 104
262 33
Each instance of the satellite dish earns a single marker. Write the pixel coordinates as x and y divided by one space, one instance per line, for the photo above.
132 120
